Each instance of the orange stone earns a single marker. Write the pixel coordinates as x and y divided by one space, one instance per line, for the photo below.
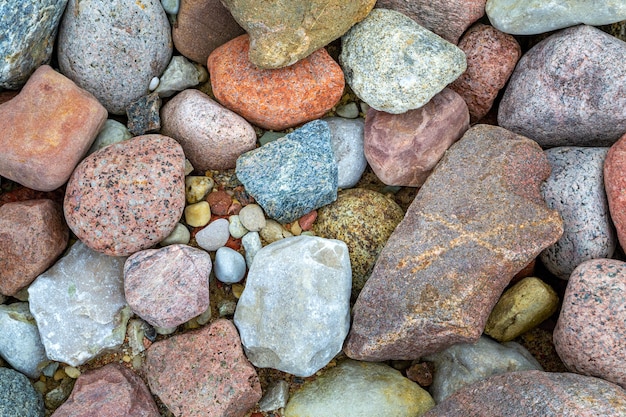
275 98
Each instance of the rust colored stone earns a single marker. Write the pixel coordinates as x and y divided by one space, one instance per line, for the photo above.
306 221
615 186
422 373
234 244
220 202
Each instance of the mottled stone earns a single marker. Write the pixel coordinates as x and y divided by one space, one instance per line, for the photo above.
292 30
219 201
402 149
203 372
196 188
211 135
110 391
568 91
251 243
615 186
169 286
252 217
588 334
292 175
18 398
143 115
394 64
32 236
477 221
346 137
491 58
128 196
49 126
129 43
575 188
274 99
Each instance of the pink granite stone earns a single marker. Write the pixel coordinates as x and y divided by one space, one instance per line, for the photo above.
203 373
402 149
47 129
32 236
110 391
589 335
491 58
128 196
615 186
169 286
211 135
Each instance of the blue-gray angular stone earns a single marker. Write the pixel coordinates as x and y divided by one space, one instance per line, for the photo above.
292 175
28 30
18 398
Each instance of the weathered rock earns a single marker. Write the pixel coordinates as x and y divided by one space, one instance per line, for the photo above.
346 138
402 149
18 398
275 397
568 91
203 372
477 221
143 115
615 185
49 126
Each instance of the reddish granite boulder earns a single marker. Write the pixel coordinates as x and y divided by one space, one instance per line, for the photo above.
203 373
615 186
402 149
32 236
47 129
477 220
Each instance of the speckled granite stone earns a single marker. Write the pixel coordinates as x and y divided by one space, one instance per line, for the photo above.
18 398
615 186
128 196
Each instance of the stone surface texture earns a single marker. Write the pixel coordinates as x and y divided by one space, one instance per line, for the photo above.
128 196
402 149
179 75
476 222
346 137
49 126
143 115
615 186
18 398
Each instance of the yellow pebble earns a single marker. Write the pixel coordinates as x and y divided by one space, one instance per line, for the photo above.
296 229
126 358
71 372
59 375
198 214
237 290
196 188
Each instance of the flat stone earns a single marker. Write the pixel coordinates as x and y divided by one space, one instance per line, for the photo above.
128 196
143 115
615 184
274 99
18 398
203 372
53 123
79 305
211 135
292 175
476 222
33 235
575 188
346 138
294 29
402 149
394 64
568 90
289 323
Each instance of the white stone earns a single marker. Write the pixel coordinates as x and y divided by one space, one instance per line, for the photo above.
294 312
179 75
214 236
236 229
79 305
112 132
347 137
251 243
171 6
230 266
154 83
252 217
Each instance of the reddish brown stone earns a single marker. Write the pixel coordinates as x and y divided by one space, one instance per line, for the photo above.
220 202
477 221
422 373
306 221
110 391
32 236
402 149
274 99
48 128
203 373
615 186
491 58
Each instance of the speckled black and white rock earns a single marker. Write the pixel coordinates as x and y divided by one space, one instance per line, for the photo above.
18 398
575 189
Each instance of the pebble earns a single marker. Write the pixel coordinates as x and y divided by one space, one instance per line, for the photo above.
179 75
275 397
274 99
273 231
143 115
112 132
53 124
550 98
128 196
203 372
18 398
198 214
424 297
270 136
180 235
394 64
214 235
346 138
349 110
615 184
588 333
212 136
293 175
252 245
169 286
235 228
252 217
230 265
154 83
575 188
402 149
196 188
289 323
117 71
359 389
32 236
220 201
79 305
226 308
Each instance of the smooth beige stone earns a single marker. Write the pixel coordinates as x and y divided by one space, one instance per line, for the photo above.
197 215
196 188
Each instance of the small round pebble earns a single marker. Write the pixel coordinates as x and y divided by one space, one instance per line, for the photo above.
251 244
198 214
252 217
180 235
348 110
214 236
196 188
236 229
230 266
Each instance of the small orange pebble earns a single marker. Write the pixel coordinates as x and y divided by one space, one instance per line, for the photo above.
306 221
146 342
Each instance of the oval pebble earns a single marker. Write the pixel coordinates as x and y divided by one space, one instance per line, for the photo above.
180 235
198 214
214 236
230 265
252 217
252 244
236 229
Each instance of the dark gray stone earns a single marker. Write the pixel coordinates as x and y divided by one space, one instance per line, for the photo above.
143 115
18 398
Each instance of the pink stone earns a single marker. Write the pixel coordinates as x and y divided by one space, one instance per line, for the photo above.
168 286
128 196
32 236
211 135
203 373
615 186
491 58
47 129
402 149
